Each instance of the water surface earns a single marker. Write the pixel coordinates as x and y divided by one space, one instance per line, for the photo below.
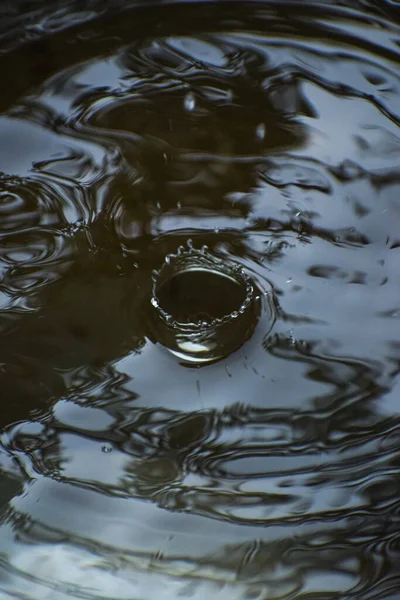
270 133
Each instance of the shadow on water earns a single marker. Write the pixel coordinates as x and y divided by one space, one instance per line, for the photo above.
270 133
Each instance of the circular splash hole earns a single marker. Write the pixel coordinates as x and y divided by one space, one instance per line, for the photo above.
201 296
203 308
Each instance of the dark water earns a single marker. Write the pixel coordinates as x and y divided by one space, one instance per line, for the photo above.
199 294
270 133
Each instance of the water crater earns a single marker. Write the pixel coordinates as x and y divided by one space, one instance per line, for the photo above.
203 308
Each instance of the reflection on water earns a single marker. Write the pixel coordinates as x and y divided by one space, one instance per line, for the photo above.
270 133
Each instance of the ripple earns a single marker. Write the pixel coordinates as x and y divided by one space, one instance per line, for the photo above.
272 137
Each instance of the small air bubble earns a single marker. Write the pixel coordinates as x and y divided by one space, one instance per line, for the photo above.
158 205
190 102
106 448
216 229
179 205
349 170
289 280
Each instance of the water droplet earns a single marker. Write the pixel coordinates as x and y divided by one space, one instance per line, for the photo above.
190 102
260 131
106 448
